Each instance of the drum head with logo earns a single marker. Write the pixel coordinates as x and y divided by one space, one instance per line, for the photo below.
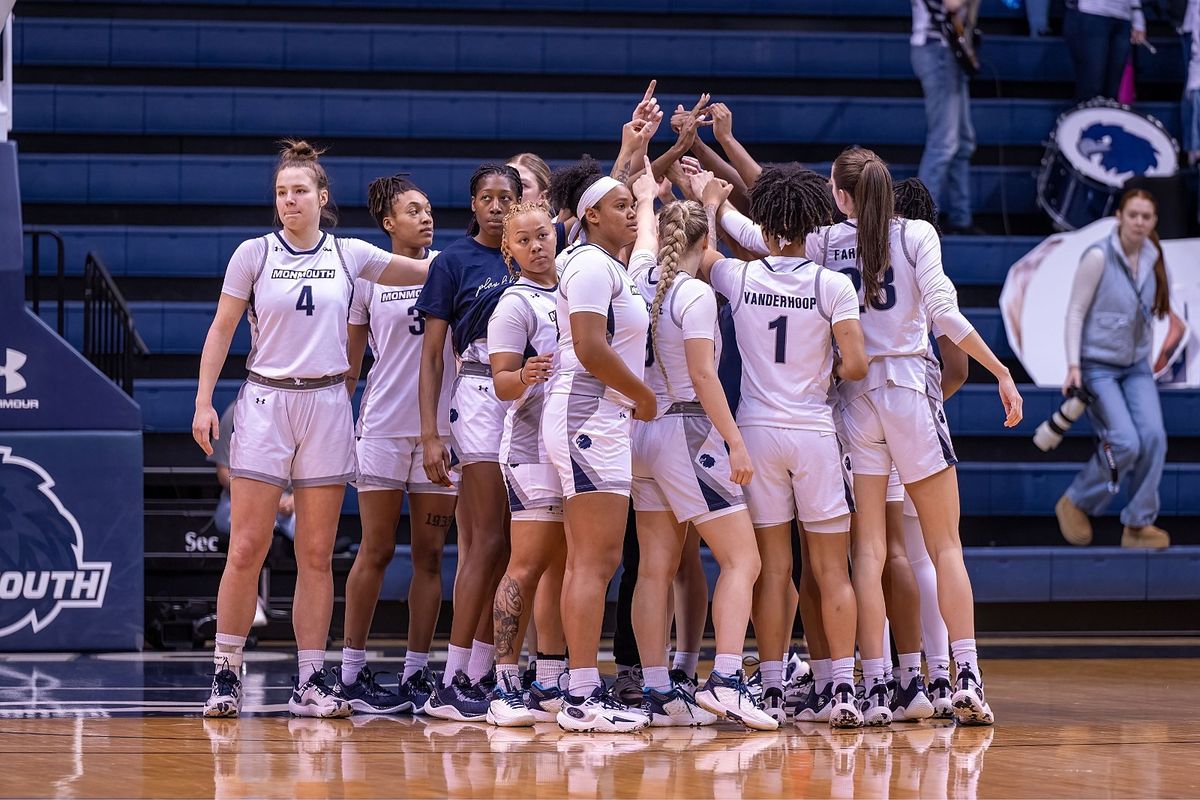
1109 143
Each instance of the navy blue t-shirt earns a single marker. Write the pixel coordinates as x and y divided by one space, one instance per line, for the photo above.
458 277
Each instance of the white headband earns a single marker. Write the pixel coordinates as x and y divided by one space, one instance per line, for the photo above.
593 193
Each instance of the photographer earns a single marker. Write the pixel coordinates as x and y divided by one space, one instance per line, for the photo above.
1120 287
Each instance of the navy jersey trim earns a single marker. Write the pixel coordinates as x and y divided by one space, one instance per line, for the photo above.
296 252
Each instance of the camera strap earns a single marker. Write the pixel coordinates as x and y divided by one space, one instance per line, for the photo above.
1114 479
1129 277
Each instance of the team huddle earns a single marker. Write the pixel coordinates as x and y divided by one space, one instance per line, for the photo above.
559 363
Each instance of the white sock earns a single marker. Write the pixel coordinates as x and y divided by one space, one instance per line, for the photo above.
310 663
583 681
686 662
910 667
872 671
352 662
456 660
727 664
483 656
823 673
842 672
656 678
887 649
228 652
511 671
933 628
414 663
550 668
772 674
966 656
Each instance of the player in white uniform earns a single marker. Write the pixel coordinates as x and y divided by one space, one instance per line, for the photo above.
293 419
787 312
689 466
464 282
890 416
522 338
390 461
595 393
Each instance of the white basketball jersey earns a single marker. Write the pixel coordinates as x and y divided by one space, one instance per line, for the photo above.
783 311
592 280
526 318
396 334
915 293
689 311
300 301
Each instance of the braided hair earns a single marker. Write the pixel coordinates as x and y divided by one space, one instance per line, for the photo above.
514 211
866 178
913 201
383 192
789 201
483 171
681 225
299 153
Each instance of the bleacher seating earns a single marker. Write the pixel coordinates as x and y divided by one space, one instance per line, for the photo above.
147 138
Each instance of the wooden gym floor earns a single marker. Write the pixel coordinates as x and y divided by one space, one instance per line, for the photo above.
125 725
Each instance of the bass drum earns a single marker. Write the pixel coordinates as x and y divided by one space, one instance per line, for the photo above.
1094 149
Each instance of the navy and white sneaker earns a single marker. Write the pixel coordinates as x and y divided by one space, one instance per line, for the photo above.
487 684
507 707
461 701
941 695
689 683
599 712
970 707
543 702
529 676
772 704
876 706
417 689
366 695
675 708
911 703
317 699
798 691
844 711
226 697
728 697
816 706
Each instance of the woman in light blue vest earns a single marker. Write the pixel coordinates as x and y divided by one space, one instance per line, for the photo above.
1120 287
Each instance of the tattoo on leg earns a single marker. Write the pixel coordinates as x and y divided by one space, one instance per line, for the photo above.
506 614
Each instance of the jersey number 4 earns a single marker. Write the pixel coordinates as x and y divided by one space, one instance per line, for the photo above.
305 301
888 286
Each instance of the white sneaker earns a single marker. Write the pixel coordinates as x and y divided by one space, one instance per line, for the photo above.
970 708
843 709
226 697
940 695
772 705
599 713
876 706
728 697
316 699
507 708
674 709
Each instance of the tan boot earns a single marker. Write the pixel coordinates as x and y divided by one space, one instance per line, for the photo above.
1075 526
1148 536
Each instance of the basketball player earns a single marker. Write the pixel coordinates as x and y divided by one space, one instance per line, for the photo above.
464 276
390 461
891 417
522 338
595 393
689 465
785 309
293 420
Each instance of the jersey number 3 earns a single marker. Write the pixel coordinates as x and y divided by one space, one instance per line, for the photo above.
305 301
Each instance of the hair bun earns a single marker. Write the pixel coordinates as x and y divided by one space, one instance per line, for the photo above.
298 150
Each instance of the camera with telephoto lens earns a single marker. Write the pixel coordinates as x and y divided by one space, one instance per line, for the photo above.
1050 433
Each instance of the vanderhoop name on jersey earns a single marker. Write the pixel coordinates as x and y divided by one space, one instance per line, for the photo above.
777 300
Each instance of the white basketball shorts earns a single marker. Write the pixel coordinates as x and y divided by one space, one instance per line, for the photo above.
798 474
301 436
395 462
680 465
534 492
895 424
588 440
476 418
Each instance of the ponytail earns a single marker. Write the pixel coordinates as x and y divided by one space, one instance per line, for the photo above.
680 226
1162 285
866 178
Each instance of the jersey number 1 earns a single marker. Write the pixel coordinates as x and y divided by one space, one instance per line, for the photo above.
779 325
305 301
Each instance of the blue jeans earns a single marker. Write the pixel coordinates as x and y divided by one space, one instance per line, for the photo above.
1123 394
950 137
1099 48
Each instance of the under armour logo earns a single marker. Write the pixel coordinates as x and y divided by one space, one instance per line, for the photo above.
262 401
13 361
